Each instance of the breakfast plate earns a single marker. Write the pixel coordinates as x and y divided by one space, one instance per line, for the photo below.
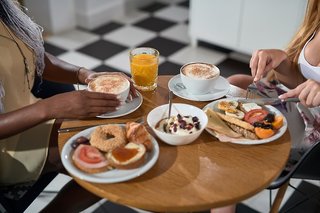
111 176
245 141
125 109
221 89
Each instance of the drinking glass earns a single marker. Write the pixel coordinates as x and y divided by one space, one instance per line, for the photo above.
144 68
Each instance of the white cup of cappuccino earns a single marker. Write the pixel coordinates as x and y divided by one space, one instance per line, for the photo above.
198 77
112 84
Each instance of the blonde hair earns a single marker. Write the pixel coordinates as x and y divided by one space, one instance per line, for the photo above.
310 24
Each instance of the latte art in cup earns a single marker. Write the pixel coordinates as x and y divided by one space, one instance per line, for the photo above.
112 84
199 71
198 77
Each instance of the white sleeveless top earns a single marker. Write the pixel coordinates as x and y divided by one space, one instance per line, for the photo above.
307 70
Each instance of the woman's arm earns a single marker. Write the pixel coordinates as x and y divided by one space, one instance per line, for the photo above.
263 61
76 104
288 74
60 71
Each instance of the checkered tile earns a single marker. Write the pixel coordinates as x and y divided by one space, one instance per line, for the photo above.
162 25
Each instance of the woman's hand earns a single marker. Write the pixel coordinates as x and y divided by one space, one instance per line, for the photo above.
262 61
133 91
78 104
308 93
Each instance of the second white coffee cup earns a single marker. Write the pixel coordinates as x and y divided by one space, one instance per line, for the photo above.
198 77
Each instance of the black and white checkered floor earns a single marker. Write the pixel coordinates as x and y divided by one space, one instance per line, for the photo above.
164 26
160 25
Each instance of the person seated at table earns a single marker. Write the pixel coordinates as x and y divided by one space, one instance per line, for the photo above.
26 122
297 63
298 68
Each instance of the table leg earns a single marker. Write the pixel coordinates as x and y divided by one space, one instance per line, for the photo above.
278 199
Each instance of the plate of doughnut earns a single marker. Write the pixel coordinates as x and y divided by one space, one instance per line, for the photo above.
125 109
110 153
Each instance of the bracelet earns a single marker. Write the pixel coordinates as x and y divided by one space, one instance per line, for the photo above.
77 77
78 73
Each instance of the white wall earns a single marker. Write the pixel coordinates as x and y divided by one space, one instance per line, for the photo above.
245 25
54 15
61 15
94 13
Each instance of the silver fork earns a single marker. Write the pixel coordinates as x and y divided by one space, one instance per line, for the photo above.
252 91
260 90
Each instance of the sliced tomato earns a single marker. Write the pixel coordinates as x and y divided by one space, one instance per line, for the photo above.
255 115
90 154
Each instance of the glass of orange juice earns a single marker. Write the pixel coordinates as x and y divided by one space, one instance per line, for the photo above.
144 68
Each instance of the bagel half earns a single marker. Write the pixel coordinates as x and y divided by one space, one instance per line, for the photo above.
127 157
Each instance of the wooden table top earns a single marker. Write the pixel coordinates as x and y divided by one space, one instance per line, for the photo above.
195 177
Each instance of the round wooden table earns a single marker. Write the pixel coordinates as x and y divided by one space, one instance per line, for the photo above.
194 177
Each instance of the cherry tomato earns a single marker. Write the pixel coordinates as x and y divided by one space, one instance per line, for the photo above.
255 115
90 155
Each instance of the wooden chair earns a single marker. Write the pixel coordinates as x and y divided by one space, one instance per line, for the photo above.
306 168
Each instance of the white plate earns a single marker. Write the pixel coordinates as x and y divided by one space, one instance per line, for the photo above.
125 109
279 133
112 176
221 89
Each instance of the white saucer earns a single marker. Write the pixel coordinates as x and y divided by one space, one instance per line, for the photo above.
125 109
221 88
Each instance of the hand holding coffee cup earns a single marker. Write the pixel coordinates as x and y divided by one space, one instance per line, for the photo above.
199 78
111 84
133 91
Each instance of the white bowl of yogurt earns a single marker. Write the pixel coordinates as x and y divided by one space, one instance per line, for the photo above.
184 126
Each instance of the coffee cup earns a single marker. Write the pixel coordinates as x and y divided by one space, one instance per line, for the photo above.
111 84
198 77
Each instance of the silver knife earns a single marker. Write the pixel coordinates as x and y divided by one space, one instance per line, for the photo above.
76 128
267 101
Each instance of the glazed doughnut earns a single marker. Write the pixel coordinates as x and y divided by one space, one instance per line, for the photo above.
108 137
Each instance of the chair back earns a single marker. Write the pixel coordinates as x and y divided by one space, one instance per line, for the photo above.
305 168
308 168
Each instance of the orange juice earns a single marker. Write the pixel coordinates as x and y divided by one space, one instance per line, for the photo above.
144 70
